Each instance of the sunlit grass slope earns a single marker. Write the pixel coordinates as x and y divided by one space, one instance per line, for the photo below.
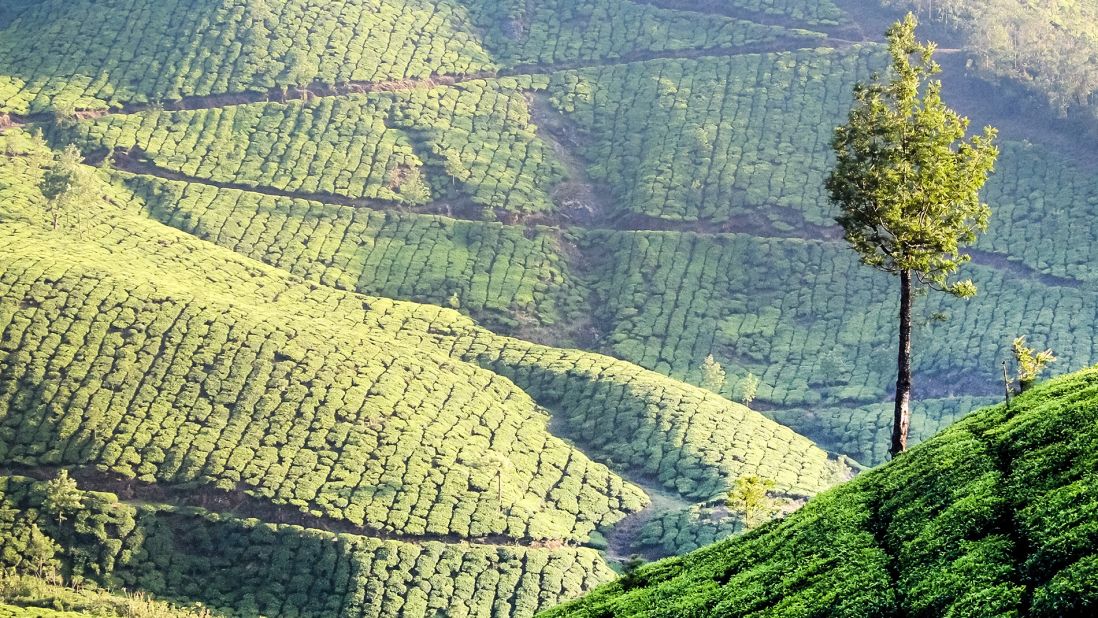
995 516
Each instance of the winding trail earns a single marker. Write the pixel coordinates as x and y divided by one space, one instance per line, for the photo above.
137 162
318 90
468 211
623 537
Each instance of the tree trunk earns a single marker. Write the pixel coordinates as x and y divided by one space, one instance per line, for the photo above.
901 420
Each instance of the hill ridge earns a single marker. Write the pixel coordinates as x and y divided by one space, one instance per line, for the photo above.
970 522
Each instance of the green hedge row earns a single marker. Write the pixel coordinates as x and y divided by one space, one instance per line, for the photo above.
1044 211
808 12
184 363
248 568
816 327
744 143
505 276
715 139
96 55
995 516
695 441
562 31
864 431
90 54
152 385
473 142
692 441
683 530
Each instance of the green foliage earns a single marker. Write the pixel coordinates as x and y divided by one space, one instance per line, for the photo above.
499 274
1031 363
748 388
993 510
85 54
863 430
562 31
62 496
906 179
245 567
629 568
475 141
1042 194
255 381
56 54
1043 46
63 184
713 375
35 597
41 550
410 398
684 530
769 170
807 12
809 321
725 140
609 403
750 499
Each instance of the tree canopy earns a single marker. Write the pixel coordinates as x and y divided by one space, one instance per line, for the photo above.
907 180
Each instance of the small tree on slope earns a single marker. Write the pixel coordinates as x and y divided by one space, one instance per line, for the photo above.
63 184
908 184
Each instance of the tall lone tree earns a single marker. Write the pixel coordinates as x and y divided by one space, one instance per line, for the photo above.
908 183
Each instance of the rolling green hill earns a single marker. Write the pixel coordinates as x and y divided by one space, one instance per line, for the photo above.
994 516
398 307
177 370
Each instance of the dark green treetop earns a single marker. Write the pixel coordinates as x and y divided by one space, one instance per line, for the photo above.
906 178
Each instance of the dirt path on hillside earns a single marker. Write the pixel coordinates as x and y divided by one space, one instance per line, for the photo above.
317 90
622 540
135 163
623 537
578 198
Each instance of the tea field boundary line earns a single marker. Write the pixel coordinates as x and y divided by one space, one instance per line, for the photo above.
813 233
321 91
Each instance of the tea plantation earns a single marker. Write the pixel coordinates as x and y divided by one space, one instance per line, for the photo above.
383 147
994 516
804 317
127 352
87 55
244 566
501 274
802 12
400 308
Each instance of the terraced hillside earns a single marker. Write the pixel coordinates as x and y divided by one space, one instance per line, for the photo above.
430 280
992 517
174 371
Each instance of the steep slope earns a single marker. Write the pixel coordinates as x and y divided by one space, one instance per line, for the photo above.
638 178
29 596
247 567
173 370
995 516
59 55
